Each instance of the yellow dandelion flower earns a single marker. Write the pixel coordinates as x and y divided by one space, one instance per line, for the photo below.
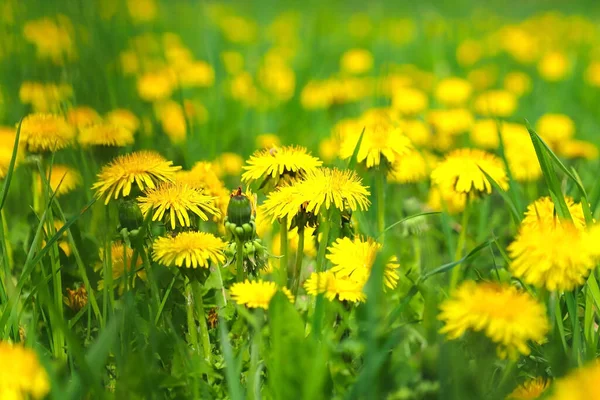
189 249
517 82
581 384
542 211
592 74
445 198
46 132
171 202
409 101
196 74
417 131
553 66
573 149
154 86
413 167
462 171
322 187
507 316
453 92
469 52
256 294
52 39
173 121
144 168
63 179
25 377
530 390
277 163
522 158
310 249
354 259
451 122
105 134
555 128
556 255
82 117
121 257
356 61
124 118
496 103
7 142
380 140
328 283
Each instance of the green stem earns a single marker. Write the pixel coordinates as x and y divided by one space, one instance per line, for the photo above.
456 271
380 197
254 372
326 227
239 260
201 315
283 251
299 258
189 306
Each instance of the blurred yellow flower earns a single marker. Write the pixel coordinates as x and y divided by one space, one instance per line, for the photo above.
25 378
46 132
105 134
356 61
172 120
518 83
469 52
462 169
233 62
122 267
453 92
63 179
196 74
445 198
345 289
267 141
329 148
496 103
7 142
256 294
44 97
144 168
592 74
142 10
229 164
521 158
531 389
572 149
453 122
417 131
238 29
507 316
555 255
53 39
154 86
171 203
409 101
189 249
125 118
82 117
542 211
553 66
413 167
555 128
580 384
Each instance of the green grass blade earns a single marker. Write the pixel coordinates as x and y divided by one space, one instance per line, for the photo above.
11 167
353 159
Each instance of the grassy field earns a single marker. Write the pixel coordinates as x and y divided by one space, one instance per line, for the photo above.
280 200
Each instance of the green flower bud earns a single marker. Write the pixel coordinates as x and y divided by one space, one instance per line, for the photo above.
130 215
239 210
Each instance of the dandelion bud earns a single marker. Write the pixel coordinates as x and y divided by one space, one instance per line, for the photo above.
239 210
130 215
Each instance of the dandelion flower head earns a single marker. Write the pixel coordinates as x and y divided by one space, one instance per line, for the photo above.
24 376
256 294
189 249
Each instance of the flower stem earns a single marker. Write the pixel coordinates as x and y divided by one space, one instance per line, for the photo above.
380 194
326 227
254 371
239 260
456 271
283 251
201 315
299 257
189 305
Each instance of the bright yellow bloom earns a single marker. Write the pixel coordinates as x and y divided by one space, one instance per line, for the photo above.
573 148
356 61
82 117
553 66
542 211
581 384
323 187
556 255
496 103
409 101
277 163
413 167
171 202
122 261
327 282
380 140
256 294
507 316
46 132
125 118
105 134
462 171
189 249
63 179
446 199
144 168
530 390
522 159
7 142
453 92
555 128
23 376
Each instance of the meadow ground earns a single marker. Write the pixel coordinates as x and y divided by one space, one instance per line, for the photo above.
281 200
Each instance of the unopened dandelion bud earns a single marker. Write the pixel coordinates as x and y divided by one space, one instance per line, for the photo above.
239 210
130 215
